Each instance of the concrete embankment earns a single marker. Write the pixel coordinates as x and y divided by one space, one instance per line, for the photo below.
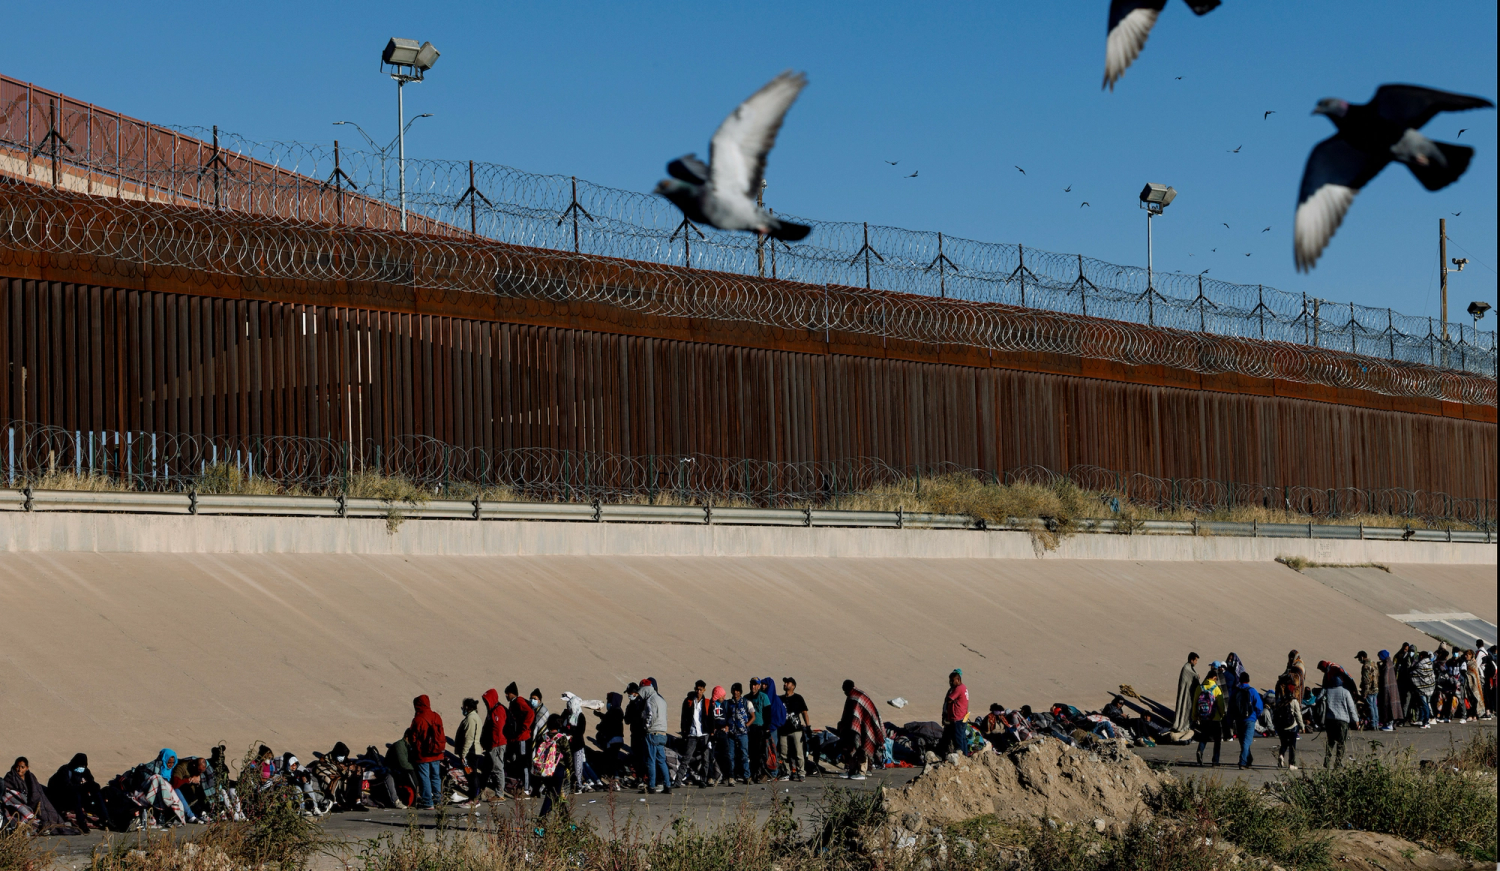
128 633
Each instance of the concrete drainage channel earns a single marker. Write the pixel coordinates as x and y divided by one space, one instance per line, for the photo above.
476 510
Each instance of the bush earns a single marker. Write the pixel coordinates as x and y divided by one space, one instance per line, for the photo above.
1252 821
274 831
19 852
1439 805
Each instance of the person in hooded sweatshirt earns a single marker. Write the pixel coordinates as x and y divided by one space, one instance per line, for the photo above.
635 719
492 741
466 746
610 736
658 775
520 717
427 741
73 790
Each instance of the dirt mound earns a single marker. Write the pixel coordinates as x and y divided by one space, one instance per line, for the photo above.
1368 851
1101 784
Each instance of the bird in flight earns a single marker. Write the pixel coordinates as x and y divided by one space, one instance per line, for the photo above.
722 193
1130 23
914 173
1205 272
1020 170
1461 131
1084 203
1237 150
1455 214
893 162
1068 189
1247 254
1179 78
1269 113
1214 250
1266 230
1226 226
1370 136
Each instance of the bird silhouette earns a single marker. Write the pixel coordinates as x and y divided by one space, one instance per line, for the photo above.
1266 230
1020 170
1068 189
1179 78
1204 272
1237 150
1369 137
1247 254
1085 203
1461 131
1455 214
893 162
1269 113
1226 226
1214 250
1130 23
914 173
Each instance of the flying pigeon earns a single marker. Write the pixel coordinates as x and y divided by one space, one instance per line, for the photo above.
1266 230
1214 250
1226 226
1179 78
1068 189
1247 254
1084 203
722 194
914 173
1370 136
1455 214
1237 149
1269 113
1205 272
893 162
1461 131
1018 169
1130 23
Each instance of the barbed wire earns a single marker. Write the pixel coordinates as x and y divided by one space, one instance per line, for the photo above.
115 233
37 454
357 187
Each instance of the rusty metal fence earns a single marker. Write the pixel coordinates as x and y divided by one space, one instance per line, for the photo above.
151 461
51 140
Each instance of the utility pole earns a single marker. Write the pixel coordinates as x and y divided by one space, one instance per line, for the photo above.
1443 263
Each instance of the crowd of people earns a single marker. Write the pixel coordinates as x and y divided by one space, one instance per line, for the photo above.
1413 688
512 747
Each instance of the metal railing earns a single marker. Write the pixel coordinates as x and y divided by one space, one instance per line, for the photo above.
193 503
51 140
147 461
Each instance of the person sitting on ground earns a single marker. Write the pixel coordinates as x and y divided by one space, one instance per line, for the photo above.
219 788
1339 713
400 774
25 801
156 792
340 778
861 732
75 793
187 782
313 802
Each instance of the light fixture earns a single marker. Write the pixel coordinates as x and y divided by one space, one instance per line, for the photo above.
1477 309
1154 199
1459 263
408 61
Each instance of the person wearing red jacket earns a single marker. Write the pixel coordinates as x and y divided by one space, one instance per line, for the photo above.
425 738
493 740
518 722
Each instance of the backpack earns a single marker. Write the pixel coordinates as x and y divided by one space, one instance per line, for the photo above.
546 758
1206 704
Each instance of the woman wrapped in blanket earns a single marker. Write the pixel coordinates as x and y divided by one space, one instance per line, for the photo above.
25 801
155 791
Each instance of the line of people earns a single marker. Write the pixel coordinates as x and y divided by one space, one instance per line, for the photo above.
1412 688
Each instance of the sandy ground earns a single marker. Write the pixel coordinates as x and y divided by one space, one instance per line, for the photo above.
118 655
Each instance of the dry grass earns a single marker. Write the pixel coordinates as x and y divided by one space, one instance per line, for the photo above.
92 483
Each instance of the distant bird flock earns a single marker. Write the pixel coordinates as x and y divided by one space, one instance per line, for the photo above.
724 192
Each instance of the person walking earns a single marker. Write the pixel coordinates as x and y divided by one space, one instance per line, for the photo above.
466 745
1369 687
1390 696
1286 725
427 742
658 775
1249 705
520 717
694 729
1339 713
790 746
1208 714
1188 685
492 741
955 712
1298 672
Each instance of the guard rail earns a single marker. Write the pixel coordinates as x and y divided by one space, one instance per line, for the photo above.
451 509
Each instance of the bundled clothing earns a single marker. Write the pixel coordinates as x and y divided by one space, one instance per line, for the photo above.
73 790
1390 696
1187 693
22 796
861 730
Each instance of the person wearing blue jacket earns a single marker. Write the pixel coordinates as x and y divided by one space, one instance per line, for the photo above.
1249 705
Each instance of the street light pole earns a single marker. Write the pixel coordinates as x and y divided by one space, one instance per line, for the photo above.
409 62
401 147
1149 272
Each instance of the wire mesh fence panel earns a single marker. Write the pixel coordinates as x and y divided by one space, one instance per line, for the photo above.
47 455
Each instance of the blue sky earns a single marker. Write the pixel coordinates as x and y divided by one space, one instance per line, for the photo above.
961 93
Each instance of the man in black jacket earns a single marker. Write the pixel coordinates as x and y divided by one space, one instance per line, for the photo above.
694 728
635 719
